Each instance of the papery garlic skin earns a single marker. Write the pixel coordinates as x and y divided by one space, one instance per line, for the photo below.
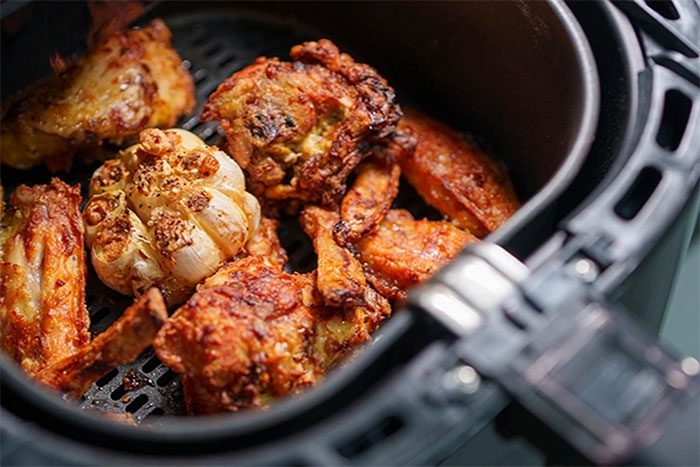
167 212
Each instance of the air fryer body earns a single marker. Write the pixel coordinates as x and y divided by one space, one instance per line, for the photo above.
561 94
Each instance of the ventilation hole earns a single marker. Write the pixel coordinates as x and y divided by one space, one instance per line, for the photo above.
663 7
166 378
213 50
199 75
107 378
186 64
373 436
226 61
118 393
638 194
151 364
99 315
674 119
137 403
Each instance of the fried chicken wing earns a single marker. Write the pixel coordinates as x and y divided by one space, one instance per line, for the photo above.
242 339
300 128
121 343
403 251
369 199
340 331
341 280
455 177
43 317
131 81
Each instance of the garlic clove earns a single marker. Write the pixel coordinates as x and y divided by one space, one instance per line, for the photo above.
110 176
120 244
229 174
220 216
187 251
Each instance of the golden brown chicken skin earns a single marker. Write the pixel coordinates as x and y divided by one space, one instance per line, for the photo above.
341 280
43 317
403 251
455 177
131 81
266 244
368 200
300 128
253 333
242 340
339 331
121 343
348 309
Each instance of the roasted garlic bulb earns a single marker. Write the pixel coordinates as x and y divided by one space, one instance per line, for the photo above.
167 212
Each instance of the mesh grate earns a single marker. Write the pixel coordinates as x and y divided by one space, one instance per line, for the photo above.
212 48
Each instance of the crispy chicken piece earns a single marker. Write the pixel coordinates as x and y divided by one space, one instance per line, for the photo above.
266 244
253 334
455 177
341 330
242 339
341 280
131 81
43 317
369 199
403 251
121 343
300 128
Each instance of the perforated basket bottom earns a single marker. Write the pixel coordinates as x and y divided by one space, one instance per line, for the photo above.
212 47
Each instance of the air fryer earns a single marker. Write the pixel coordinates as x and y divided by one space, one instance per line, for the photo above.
594 108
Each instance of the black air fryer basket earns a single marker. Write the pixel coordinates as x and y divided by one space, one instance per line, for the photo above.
595 109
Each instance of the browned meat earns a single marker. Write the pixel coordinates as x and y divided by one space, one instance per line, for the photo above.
121 343
253 334
242 339
266 244
403 251
341 280
299 128
43 317
368 200
456 177
131 81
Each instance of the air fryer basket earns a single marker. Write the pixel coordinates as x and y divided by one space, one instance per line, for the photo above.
519 77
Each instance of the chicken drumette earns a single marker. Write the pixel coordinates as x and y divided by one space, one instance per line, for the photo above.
42 283
300 128
403 251
43 319
455 177
131 81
